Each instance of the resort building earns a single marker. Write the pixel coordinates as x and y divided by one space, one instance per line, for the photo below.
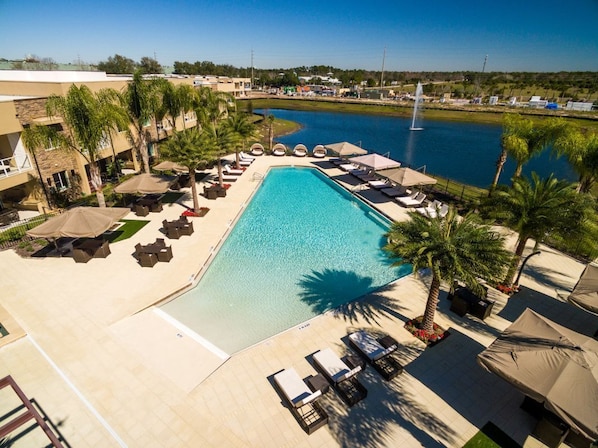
28 180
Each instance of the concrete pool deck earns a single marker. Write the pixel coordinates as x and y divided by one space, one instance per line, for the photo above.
109 370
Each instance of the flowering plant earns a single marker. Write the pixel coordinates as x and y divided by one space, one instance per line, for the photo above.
413 326
508 289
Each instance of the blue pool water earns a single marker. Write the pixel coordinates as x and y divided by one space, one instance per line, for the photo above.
303 246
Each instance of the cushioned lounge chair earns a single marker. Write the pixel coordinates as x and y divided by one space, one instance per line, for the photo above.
395 192
257 149
378 184
348 167
279 150
377 354
232 171
300 150
412 201
319 152
341 376
247 157
301 400
436 208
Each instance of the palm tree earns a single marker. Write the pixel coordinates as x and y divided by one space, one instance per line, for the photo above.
522 140
538 208
581 149
177 101
115 118
89 118
141 99
450 248
193 148
242 129
36 138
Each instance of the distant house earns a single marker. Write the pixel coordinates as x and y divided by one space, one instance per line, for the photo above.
578 105
537 102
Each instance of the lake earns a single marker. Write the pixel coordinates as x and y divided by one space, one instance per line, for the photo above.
465 152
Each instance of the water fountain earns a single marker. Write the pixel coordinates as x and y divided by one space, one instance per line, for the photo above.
418 93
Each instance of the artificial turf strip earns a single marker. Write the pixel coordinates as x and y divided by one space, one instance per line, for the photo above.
491 436
171 197
127 230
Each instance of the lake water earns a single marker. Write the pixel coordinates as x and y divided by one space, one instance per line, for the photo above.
465 152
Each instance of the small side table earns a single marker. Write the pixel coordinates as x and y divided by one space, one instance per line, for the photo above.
388 341
318 383
354 361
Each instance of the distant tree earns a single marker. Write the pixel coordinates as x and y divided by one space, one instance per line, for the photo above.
117 64
149 66
581 149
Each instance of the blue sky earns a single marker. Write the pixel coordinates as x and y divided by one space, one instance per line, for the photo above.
522 35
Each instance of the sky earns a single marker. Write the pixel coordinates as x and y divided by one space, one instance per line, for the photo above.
457 35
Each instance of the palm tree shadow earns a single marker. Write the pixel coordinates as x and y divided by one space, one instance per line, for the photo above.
323 291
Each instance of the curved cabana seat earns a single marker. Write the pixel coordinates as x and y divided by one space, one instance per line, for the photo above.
257 149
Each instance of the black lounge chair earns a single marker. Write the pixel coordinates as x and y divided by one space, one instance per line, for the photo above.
342 377
378 352
301 400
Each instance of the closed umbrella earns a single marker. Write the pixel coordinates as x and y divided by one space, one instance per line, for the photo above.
551 364
406 177
79 222
344 149
375 161
585 293
146 184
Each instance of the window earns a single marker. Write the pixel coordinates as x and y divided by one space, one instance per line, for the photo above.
61 181
105 141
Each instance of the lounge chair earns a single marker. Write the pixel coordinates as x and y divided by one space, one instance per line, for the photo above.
395 192
257 149
348 167
319 152
378 184
301 400
341 376
232 171
300 150
279 150
436 208
378 353
247 157
412 201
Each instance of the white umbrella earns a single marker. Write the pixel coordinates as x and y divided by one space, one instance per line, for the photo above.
407 177
145 184
345 149
375 161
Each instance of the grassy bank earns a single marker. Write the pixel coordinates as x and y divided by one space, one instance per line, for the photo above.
471 114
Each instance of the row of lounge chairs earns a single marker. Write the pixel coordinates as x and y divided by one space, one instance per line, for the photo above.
279 149
302 396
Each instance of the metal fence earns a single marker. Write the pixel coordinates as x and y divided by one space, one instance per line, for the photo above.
14 233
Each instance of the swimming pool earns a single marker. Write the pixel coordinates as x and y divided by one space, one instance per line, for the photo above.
304 245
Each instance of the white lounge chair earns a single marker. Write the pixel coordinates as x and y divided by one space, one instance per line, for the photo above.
343 378
244 156
300 150
301 400
412 201
433 210
257 149
376 353
232 171
348 167
319 151
378 184
279 150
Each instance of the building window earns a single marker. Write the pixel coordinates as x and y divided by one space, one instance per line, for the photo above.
61 181
104 141
51 145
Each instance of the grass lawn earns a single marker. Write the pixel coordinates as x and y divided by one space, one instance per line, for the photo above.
491 436
127 230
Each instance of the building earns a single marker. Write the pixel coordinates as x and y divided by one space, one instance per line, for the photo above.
29 179
579 105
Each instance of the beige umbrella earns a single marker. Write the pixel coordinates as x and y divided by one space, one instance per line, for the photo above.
167 165
407 177
79 222
585 293
145 184
344 149
551 364
375 161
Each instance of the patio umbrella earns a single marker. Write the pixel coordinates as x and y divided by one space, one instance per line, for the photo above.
145 184
343 149
375 161
79 222
407 177
167 165
551 364
585 293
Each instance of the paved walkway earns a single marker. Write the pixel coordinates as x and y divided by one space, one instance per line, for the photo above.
108 369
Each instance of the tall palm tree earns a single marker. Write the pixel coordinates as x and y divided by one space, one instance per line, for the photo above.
89 117
141 99
192 148
114 116
522 140
581 149
36 138
450 247
242 129
538 208
177 101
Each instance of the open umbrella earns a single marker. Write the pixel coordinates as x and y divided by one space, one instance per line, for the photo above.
344 149
375 161
551 364
79 222
585 293
406 177
167 165
146 184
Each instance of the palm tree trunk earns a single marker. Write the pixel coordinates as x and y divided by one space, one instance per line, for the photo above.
143 151
518 171
431 304
194 190
220 181
96 183
510 277
500 163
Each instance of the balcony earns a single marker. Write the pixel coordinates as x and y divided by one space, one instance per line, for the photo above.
14 171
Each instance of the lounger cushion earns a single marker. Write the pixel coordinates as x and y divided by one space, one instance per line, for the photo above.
333 366
370 346
294 388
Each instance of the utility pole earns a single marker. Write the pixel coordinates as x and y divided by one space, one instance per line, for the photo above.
382 74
